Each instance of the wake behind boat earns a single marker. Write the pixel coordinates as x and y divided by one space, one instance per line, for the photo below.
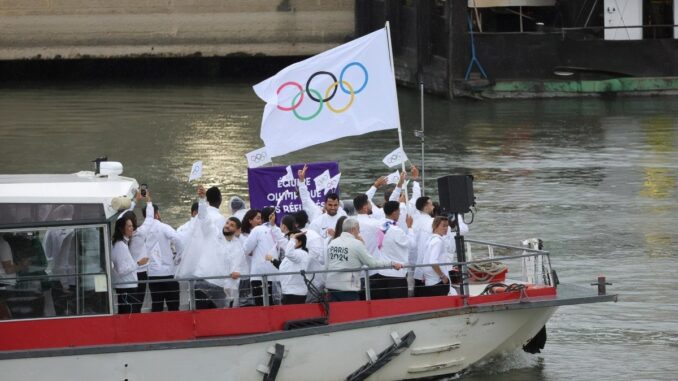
60 322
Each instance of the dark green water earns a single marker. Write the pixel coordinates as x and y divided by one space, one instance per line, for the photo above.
595 179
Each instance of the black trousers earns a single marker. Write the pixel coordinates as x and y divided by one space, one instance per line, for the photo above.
258 292
164 293
293 299
127 297
378 287
386 287
419 287
440 289
140 292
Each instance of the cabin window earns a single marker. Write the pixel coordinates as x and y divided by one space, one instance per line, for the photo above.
53 272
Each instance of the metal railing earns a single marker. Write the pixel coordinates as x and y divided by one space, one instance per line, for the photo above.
96 300
367 288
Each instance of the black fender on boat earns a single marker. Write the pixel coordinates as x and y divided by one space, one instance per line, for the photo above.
537 343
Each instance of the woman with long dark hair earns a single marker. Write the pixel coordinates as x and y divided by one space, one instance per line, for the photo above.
251 220
265 239
124 266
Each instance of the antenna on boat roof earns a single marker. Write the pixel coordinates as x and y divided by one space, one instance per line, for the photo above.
97 163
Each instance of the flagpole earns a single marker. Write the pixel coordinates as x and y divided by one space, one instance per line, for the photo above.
395 95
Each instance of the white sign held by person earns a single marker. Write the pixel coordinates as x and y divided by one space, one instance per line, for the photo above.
346 91
289 176
394 177
396 157
196 171
322 180
332 184
257 158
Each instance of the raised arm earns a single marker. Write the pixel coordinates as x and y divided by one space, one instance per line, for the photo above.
395 196
307 203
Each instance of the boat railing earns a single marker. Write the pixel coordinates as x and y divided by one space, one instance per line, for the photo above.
192 297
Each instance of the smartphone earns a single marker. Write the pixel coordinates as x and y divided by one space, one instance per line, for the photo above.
142 190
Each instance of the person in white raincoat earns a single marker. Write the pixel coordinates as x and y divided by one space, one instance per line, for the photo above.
202 257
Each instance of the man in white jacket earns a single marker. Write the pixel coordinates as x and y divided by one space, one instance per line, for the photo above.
323 220
348 252
202 257
236 263
396 248
159 240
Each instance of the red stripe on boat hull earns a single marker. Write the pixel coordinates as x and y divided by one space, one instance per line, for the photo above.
191 325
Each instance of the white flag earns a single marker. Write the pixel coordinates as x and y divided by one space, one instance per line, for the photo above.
288 176
321 180
349 90
394 177
257 158
396 157
333 183
196 171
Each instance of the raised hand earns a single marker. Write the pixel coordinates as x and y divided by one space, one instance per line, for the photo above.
380 182
403 177
415 172
302 173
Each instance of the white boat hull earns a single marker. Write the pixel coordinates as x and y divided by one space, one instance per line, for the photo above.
444 345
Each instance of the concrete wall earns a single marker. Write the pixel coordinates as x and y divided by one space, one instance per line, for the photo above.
47 29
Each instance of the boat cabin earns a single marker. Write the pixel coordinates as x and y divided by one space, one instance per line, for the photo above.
55 242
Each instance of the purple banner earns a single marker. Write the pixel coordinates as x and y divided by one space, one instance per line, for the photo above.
272 186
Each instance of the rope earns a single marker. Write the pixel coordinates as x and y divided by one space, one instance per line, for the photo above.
489 289
483 272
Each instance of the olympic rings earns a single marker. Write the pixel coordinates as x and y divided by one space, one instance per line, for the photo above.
320 106
294 106
330 92
308 83
393 158
258 157
343 71
350 102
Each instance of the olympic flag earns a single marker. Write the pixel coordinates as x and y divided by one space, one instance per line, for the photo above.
346 91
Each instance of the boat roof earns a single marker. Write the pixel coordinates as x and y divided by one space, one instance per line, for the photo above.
82 188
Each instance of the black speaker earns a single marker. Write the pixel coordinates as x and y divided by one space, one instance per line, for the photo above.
456 193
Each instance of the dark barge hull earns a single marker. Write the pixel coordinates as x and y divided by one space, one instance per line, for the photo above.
432 45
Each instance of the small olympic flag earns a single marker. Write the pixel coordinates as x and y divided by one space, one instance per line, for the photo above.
257 158
196 171
322 180
333 183
394 177
396 157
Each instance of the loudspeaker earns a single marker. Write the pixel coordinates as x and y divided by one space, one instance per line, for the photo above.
456 193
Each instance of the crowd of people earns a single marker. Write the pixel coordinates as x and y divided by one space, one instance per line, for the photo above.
221 252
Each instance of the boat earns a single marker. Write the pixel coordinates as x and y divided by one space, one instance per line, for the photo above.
59 321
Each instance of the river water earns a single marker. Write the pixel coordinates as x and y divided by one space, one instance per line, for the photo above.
596 179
